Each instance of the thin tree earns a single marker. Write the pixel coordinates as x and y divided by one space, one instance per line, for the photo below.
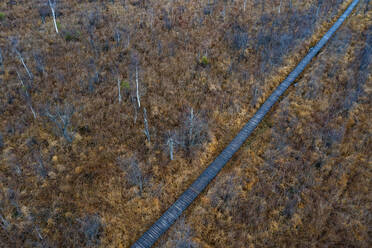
118 81
52 5
4 223
280 5
137 88
171 143
14 43
146 131
119 93
61 117
27 95
133 171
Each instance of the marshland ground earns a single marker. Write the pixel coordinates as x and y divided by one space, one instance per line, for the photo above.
105 123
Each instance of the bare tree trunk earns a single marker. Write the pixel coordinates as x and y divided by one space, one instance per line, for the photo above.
137 89
147 132
170 144
4 223
52 7
119 90
38 233
24 64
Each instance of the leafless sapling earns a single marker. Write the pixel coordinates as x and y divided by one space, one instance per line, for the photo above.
125 37
171 143
280 6
61 116
151 16
95 79
91 227
119 86
53 5
92 20
194 131
39 61
146 130
26 93
40 167
12 161
4 223
167 21
14 43
117 36
256 93
133 171
137 89
32 224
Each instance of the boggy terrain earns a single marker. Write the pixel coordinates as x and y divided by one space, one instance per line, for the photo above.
105 123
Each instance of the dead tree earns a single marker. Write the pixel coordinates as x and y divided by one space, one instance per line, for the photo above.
146 130
171 143
52 5
91 227
26 93
14 43
136 89
4 223
61 117
133 171
194 130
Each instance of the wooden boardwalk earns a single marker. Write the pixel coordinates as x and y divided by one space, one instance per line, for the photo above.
174 211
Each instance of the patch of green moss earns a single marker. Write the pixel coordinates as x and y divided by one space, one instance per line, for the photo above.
2 16
58 25
204 61
124 85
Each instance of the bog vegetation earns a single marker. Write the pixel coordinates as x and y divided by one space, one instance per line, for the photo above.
110 109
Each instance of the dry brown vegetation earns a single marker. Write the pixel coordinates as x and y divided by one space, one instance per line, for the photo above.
80 167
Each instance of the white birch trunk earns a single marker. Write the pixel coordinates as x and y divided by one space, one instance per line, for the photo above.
170 143
119 91
24 65
137 89
52 6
